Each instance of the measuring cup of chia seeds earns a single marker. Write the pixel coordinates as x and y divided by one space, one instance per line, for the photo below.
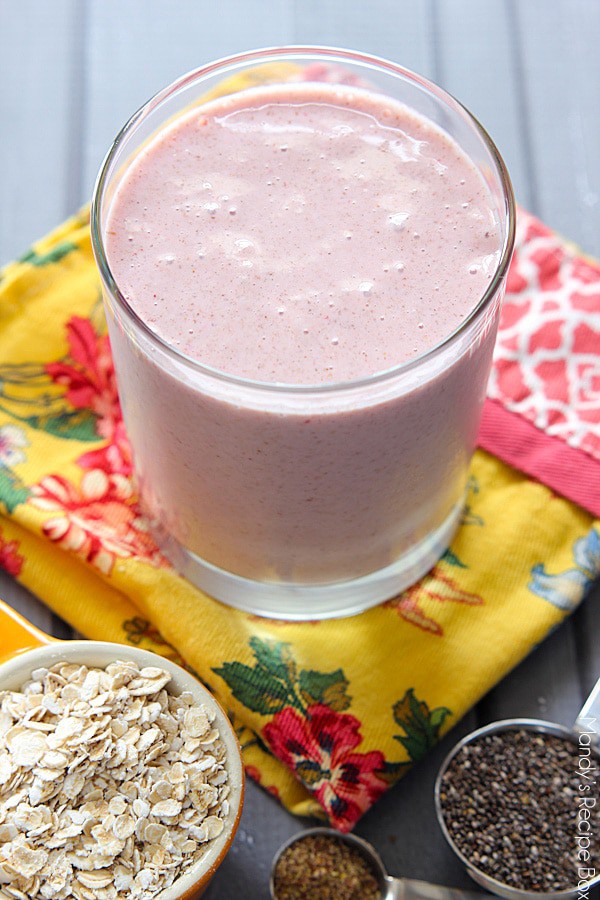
93 744
322 864
519 803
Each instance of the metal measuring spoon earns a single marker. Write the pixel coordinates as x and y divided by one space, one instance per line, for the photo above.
391 888
587 722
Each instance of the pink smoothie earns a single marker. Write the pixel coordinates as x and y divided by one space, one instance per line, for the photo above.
302 235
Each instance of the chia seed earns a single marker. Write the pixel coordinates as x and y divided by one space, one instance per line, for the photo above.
512 802
323 867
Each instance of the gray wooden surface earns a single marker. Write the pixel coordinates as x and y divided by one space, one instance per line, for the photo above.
70 74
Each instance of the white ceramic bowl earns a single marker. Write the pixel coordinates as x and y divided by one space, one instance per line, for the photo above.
16 670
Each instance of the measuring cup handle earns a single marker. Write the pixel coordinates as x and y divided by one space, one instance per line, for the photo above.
17 634
588 720
407 889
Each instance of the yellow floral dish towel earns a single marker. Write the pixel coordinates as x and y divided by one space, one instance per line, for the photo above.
329 713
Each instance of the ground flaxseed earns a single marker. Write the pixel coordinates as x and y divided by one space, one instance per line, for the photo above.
512 803
323 867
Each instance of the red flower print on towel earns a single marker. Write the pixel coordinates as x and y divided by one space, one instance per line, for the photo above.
319 748
308 730
113 458
89 377
89 373
97 520
10 559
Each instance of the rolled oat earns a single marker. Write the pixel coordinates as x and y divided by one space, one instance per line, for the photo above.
110 786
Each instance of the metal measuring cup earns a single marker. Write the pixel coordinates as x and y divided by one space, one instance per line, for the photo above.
391 888
587 722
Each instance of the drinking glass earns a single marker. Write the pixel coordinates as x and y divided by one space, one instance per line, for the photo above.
303 501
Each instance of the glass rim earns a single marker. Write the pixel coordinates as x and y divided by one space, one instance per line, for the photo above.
266 54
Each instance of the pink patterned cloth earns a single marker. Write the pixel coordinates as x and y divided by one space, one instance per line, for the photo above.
542 414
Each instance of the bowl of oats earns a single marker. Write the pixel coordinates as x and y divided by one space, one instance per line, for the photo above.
121 777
